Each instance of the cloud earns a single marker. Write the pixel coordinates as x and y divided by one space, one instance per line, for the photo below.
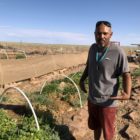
44 36
8 33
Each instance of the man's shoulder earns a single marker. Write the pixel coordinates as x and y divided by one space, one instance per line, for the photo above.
92 47
118 49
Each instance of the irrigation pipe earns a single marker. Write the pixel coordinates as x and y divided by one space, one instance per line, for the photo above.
73 75
74 85
43 87
76 88
20 91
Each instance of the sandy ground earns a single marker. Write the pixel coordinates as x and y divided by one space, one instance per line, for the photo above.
17 70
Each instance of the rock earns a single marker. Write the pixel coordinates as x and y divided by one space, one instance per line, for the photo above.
136 89
135 97
62 71
134 115
78 125
62 85
133 132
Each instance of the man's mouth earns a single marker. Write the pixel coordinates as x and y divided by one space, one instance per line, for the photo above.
102 41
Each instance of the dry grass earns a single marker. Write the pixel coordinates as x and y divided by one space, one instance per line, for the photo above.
30 47
54 48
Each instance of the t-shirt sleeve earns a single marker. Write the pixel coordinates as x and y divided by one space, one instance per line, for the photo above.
122 65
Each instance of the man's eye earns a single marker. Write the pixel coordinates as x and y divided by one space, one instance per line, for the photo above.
102 33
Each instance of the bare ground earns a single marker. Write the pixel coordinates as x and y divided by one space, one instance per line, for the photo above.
127 124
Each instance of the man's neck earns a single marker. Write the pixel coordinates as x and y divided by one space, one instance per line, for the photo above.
102 48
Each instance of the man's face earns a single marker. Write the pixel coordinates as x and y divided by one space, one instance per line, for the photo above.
103 34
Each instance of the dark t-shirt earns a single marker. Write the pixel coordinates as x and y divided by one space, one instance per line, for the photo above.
103 76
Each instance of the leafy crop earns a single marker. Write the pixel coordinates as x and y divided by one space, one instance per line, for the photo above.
25 130
67 93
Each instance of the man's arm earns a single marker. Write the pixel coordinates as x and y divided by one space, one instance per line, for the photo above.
83 78
127 85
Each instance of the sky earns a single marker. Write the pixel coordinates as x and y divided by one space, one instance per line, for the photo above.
68 21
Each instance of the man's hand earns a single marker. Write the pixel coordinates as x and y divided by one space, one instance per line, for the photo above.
123 96
82 86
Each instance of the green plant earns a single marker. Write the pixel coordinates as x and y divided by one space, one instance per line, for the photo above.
20 56
69 90
76 77
68 93
25 130
136 72
38 98
51 87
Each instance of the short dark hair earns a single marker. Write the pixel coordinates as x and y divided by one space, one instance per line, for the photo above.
107 23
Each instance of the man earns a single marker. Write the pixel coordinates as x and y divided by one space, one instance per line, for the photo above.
105 63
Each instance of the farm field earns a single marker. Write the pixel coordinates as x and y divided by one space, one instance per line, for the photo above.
56 101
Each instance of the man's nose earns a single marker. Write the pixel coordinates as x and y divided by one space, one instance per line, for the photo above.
101 35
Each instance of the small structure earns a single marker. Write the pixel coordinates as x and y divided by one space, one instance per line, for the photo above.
135 55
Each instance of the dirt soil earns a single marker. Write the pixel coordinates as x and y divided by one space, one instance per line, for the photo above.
75 119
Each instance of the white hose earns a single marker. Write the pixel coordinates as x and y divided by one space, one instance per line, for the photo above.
72 82
42 87
35 117
76 88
